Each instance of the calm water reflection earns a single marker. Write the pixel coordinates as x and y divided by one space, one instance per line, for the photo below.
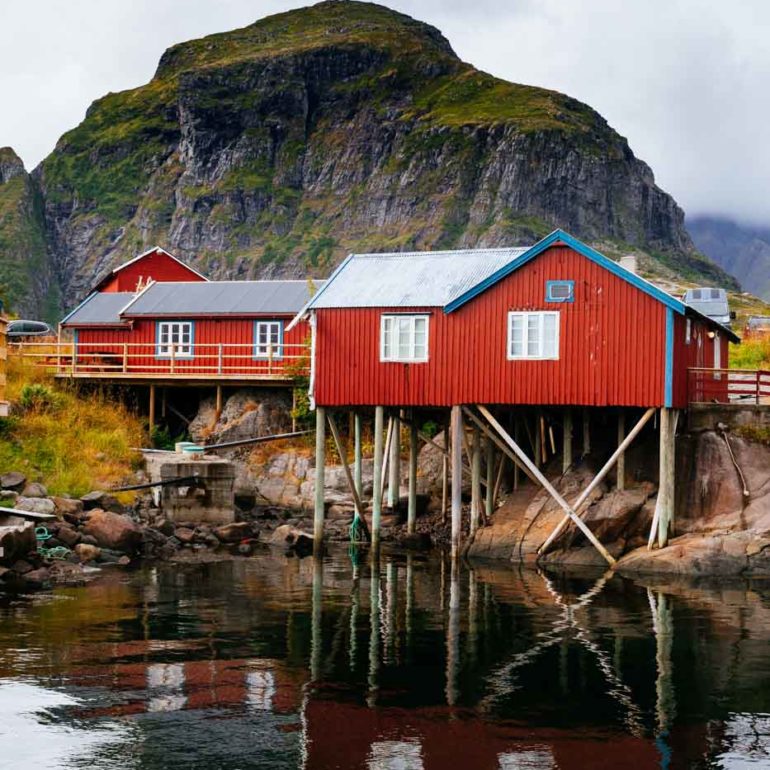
273 662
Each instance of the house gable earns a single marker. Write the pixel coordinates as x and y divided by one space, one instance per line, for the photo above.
154 265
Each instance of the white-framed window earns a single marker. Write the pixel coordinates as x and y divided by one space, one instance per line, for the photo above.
404 338
533 335
176 335
268 339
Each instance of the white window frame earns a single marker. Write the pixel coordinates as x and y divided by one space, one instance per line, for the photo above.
175 329
389 338
525 316
262 352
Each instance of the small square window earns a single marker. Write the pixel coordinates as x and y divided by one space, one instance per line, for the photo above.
559 291
404 338
268 339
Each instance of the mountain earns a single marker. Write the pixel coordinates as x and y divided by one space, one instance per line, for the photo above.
25 275
275 149
742 250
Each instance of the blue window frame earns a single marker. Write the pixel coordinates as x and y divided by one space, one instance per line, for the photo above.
176 336
268 339
559 291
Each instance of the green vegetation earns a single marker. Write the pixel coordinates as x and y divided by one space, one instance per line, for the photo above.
751 354
71 442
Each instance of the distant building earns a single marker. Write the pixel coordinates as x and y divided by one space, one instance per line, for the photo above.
711 303
757 326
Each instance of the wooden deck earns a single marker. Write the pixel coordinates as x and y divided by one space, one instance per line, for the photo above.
134 364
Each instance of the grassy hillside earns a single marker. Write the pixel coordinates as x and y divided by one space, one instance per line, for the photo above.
71 442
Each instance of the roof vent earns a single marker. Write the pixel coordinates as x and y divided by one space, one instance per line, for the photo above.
629 262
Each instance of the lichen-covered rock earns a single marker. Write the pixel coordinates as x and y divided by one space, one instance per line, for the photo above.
34 489
87 553
113 530
13 480
102 500
36 505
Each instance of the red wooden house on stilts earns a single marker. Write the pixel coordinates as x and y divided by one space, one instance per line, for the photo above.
556 325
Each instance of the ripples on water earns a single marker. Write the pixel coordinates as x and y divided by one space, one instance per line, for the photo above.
273 662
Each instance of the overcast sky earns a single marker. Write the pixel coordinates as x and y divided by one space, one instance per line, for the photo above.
686 81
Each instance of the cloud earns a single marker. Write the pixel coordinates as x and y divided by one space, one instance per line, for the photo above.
684 81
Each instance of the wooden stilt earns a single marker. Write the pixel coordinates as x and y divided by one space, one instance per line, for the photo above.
163 402
621 473
546 484
499 479
219 401
445 471
566 454
457 476
475 481
664 508
152 408
386 459
320 470
538 444
394 471
489 504
379 414
348 475
584 496
543 444
586 432
411 516
357 455
517 439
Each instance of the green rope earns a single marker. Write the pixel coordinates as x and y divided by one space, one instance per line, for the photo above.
57 552
357 530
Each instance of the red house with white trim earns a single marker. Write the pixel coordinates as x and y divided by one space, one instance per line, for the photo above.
554 324
155 317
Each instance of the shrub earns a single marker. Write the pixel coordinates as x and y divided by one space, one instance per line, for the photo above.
37 397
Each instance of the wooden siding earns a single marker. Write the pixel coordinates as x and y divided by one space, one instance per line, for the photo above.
612 347
698 353
155 265
236 335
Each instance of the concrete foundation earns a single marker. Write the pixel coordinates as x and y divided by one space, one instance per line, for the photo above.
708 416
210 498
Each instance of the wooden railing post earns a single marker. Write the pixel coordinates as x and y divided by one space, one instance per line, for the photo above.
173 359
125 357
220 358
269 357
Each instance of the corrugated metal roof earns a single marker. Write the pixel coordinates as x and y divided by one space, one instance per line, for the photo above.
99 309
411 279
221 298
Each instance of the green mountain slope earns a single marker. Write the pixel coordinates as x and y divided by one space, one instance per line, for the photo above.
275 149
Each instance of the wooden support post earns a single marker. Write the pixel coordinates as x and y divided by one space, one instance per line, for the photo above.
664 508
386 459
586 493
489 505
517 439
163 402
357 454
621 471
457 477
379 416
543 443
566 454
546 484
152 408
586 432
320 468
475 481
394 470
445 474
348 475
219 402
538 446
411 517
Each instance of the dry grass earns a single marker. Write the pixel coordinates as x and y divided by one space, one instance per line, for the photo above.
71 442
751 354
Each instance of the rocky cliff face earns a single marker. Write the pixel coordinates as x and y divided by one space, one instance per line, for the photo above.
275 149
25 274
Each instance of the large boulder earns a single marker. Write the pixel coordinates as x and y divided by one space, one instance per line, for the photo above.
36 505
34 489
67 507
247 413
101 500
17 538
113 530
13 480
235 532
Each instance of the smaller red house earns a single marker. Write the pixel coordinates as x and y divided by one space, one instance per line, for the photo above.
190 329
154 265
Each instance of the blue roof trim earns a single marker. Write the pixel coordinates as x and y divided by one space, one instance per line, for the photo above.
668 393
559 236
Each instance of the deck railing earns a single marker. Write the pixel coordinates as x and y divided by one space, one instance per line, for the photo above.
728 386
148 360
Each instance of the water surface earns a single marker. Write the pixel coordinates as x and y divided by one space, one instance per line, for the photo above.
275 662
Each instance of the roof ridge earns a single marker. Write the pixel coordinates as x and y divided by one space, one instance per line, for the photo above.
438 252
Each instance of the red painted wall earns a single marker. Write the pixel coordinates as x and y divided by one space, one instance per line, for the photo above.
612 347
156 265
699 353
106 345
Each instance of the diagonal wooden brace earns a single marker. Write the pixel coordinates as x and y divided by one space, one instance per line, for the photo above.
546 484
645 418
